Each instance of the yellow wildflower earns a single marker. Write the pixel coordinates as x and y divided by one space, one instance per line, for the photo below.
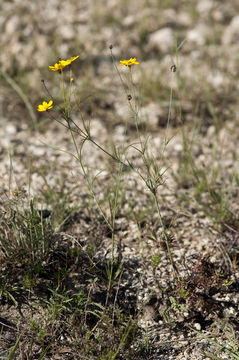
57 67
16 192
45 106
62 63
130 62
68 61
72 79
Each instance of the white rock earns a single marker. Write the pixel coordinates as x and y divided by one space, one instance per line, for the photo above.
216 79
150 114
229 312
211 131
178 147
11 129
204 7
122 110
161 40
231 34
67 32
12 25
197 326
129 21
218 15
184 19
37 150
198 35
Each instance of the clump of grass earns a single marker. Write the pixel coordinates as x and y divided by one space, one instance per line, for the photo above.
26 239
56 198
25 233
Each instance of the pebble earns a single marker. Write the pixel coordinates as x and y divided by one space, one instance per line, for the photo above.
204 7
199 34
11 129
231 34
230 312
197 326
150 114
12 25
216 79
162 40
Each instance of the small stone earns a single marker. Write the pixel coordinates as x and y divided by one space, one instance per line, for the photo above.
150 114
67 32
211 131
197 326
216 79
231 33
12 25
178 147
204 7
129 21
161 40
11 129
230 312
198 35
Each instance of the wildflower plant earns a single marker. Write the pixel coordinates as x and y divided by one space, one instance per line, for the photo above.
151 173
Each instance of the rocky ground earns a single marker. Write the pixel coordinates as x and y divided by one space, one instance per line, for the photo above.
188 73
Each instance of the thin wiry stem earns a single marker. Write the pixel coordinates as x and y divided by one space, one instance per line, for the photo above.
175 270
64 93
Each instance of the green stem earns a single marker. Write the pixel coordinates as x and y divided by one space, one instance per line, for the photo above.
107 153
169 117
79 158
64 94
175 270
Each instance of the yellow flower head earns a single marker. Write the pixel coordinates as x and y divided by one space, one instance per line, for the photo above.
68 61
45 106
130 62
62 63
57 67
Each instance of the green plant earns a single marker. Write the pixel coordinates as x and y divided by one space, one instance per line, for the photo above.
171 313
56 198
25 235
